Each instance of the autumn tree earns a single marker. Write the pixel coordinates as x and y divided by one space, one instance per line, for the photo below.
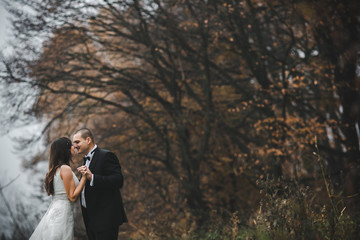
200 99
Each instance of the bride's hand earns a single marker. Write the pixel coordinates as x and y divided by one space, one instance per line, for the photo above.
82 170
85 172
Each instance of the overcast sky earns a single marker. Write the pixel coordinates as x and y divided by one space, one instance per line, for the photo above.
9 165
10 159
27 182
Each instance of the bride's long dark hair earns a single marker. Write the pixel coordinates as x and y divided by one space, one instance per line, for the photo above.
60 154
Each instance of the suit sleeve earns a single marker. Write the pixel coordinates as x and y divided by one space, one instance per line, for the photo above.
111 176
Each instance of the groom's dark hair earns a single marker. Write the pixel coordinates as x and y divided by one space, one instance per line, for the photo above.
85 133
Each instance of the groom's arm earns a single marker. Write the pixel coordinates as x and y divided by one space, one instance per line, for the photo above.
112 176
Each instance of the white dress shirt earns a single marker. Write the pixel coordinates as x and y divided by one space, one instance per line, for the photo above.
87 164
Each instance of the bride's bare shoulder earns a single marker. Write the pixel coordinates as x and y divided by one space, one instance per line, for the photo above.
65 170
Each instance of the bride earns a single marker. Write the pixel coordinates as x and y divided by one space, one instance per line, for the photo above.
65 188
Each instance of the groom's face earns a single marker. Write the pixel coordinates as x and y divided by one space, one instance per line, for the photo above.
81 144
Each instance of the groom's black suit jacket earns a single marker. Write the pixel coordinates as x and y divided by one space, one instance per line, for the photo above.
104 205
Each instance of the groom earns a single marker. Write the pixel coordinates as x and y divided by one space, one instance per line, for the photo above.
101 201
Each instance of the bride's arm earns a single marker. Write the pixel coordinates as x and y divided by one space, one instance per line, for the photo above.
71 191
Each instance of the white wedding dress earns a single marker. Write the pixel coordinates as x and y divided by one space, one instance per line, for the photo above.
58 221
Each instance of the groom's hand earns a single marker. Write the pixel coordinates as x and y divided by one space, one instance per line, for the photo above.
85 171
82 170
88 174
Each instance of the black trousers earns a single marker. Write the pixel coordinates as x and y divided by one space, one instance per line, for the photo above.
108 234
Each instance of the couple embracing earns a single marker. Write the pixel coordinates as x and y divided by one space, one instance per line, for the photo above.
98 189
